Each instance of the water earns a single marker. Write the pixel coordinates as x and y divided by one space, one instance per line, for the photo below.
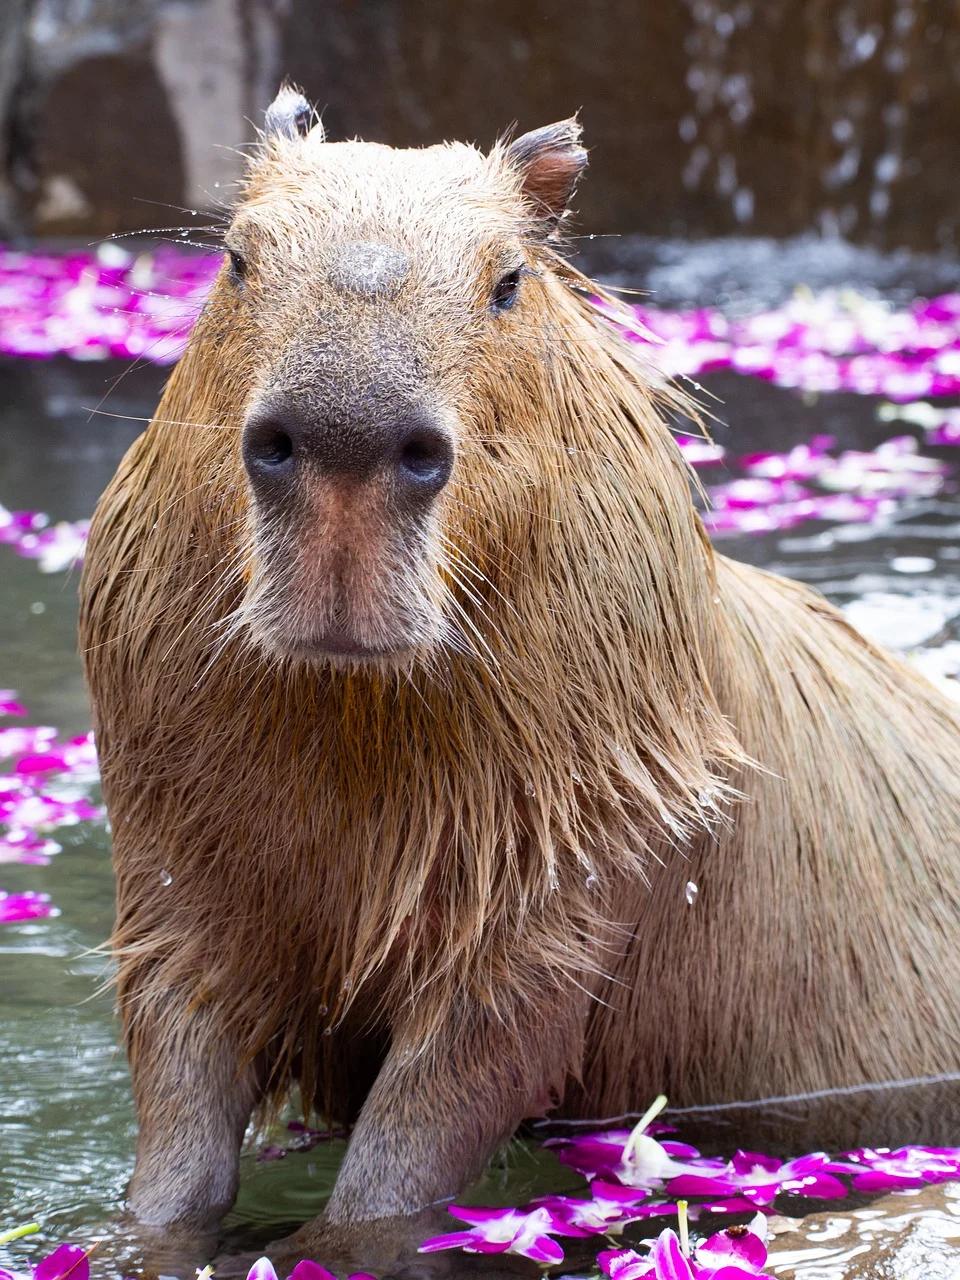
65 1112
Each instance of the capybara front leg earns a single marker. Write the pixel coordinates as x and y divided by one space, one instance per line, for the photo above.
438 1110
193 1103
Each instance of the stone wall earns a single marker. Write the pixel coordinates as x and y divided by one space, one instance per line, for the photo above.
704 116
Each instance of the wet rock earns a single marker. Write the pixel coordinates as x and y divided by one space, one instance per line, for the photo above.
90 179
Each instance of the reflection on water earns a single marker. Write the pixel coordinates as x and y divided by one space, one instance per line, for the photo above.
65 1113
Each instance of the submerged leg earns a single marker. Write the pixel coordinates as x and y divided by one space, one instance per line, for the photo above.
433 1118
193 1102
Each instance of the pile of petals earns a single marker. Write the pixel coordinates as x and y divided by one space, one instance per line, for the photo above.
907 1168
109 303
634 1176
731 1254
15 908
746 1182
48 788
780 490
832 341
115 302
54 547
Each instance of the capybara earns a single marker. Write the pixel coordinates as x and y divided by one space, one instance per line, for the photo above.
421 694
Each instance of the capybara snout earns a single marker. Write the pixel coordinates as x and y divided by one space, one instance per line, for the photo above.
344 526
286 443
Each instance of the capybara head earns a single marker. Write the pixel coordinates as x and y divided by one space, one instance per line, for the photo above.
393 302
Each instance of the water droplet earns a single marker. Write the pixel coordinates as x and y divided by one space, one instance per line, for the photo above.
576 778
529 789
591 882
38 607
571 452
328 1031
165 877
690 893
912 564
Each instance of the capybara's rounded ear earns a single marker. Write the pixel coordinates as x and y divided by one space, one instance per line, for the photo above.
550 161
289 115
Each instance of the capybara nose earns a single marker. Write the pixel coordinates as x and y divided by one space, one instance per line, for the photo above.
283 443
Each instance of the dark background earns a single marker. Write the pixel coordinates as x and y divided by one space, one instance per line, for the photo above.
704 117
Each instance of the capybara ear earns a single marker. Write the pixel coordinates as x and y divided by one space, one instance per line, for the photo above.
551 161
289 115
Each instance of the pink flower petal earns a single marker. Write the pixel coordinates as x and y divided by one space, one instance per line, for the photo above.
69 1260
737 1245
452 1240
668 1260
307 1270
16 908
262 1269
625 1264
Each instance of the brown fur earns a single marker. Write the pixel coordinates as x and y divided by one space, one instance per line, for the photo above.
451 892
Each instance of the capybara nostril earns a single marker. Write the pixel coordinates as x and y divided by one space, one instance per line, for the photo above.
424 460
286 440
268 449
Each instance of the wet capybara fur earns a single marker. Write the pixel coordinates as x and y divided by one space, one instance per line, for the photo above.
420 695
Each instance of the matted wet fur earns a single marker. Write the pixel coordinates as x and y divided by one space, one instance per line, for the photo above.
447 893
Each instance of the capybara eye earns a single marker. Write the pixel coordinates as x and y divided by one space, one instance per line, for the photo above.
238 265
505 293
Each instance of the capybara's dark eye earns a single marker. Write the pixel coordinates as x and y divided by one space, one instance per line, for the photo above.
505 293
238 266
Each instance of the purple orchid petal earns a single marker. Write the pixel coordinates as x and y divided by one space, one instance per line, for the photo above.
698 1184
262 1269
823 1186
877 1180
728 1272
479 1245
737 1245
68 1261
478 1215
668 1258
452 1240
307 1270
18 907
625 1264
731 1204
543 1249
747 1164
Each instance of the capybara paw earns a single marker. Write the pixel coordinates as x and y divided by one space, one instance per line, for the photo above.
126 1247
380 1247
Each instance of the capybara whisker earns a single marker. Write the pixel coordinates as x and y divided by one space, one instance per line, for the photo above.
416 676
